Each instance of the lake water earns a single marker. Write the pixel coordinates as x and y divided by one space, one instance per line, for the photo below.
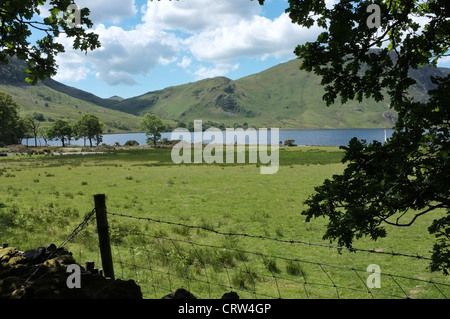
300 137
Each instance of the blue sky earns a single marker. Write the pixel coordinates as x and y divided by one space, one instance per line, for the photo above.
151 45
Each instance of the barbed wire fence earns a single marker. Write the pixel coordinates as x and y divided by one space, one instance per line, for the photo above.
163 256
164 262
88 219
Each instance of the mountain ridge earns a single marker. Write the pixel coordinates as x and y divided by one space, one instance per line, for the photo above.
50 100
281 96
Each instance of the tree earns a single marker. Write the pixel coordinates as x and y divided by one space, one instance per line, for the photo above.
17 21
11 127
44 133
39 117
33 127
90 127
153 127
61 130
398 182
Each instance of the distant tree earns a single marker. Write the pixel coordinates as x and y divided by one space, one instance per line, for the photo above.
24 130
33 127
90 127
18 20
131 143
153 127
61 130
11 127
39 117
119 125
181 124
44 134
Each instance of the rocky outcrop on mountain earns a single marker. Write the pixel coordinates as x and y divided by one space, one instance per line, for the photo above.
390 116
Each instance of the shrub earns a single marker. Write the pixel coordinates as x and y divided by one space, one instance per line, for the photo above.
271 265
289 143
293 268
244 278
131 143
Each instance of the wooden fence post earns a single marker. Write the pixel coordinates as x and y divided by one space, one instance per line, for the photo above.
103 235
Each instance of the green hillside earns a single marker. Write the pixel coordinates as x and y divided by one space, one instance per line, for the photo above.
53 101
282 96
293 98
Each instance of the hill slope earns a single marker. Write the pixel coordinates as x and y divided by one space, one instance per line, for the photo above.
54 101
282 96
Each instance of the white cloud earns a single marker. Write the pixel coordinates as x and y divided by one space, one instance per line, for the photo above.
106 10
191 34
123 53
444 62
218 70
113 77
128 53
330 3
185 62
102 11
195 16
71 68
255 37
222 31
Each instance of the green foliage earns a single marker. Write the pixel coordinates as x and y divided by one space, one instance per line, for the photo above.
293 268
153 127
90 127
17 20
32 126
12 127
61 130
398 182
441 250
342 54
271 265
39 117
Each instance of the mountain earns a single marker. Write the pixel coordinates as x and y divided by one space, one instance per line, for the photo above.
282 96
51 100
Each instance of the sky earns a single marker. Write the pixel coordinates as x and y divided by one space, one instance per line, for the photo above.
151 45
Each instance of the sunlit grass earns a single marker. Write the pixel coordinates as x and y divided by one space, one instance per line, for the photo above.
43 198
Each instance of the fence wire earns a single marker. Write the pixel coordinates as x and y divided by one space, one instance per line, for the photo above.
162 256
86 221
212 266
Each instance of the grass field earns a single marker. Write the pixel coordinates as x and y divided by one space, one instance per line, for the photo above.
208 228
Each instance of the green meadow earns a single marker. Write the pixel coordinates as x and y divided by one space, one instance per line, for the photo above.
209 228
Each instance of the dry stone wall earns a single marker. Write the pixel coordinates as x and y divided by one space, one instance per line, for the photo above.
41 273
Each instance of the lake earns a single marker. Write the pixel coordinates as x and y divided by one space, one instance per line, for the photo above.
338 137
